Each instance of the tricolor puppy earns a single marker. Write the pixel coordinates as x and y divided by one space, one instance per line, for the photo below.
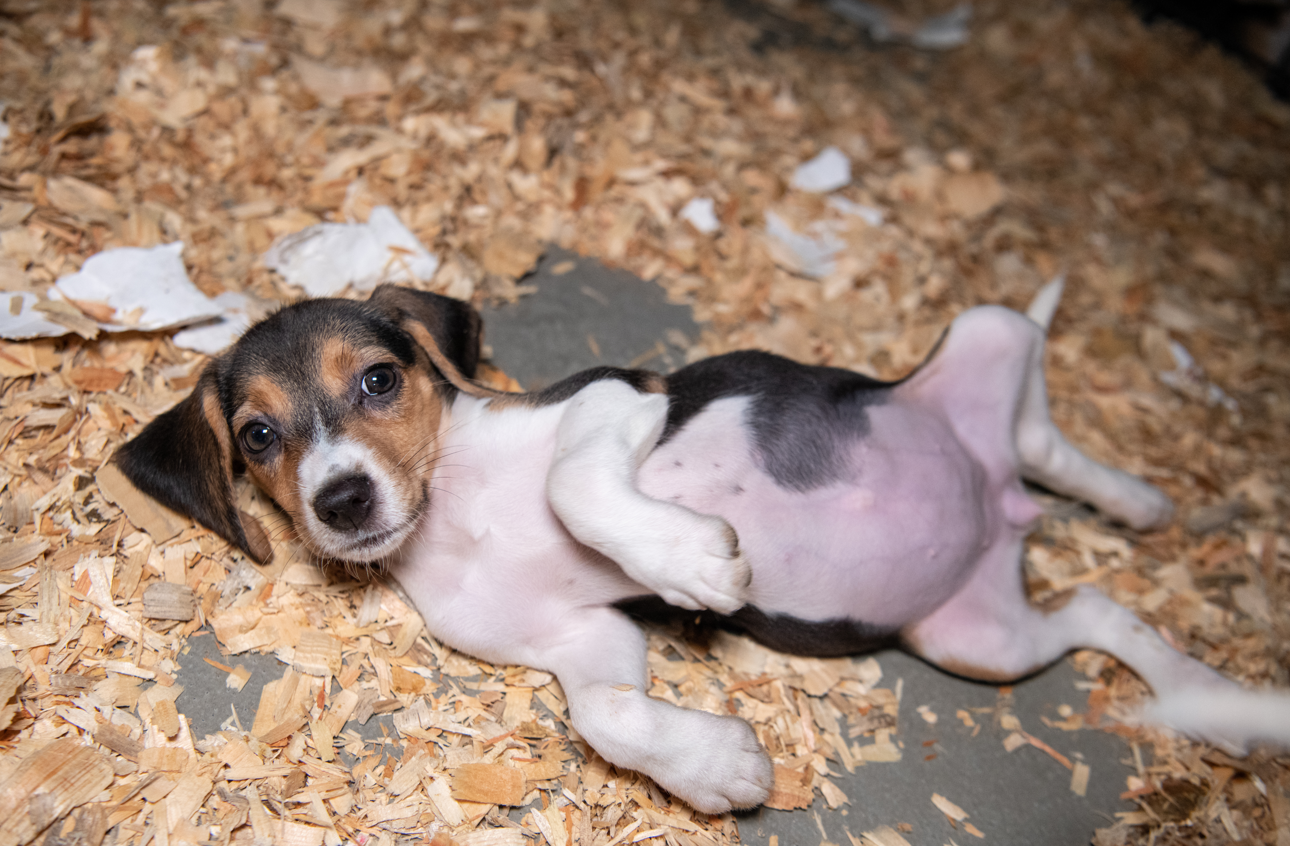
819 510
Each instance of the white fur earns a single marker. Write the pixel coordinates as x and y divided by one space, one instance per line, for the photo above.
1044 305
688 559
330 459
1230 717
497 574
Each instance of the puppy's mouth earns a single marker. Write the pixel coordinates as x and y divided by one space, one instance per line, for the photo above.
379 543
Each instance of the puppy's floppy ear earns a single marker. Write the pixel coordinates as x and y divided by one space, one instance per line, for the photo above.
448 330
184 460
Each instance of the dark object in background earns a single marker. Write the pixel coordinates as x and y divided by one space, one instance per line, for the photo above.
1256 30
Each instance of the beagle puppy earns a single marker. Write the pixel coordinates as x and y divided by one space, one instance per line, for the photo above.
816 509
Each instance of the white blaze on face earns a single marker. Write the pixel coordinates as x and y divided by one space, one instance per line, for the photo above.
330 460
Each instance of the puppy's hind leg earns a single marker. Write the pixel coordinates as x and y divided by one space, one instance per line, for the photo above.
714 763
988 377
991 632
1048 458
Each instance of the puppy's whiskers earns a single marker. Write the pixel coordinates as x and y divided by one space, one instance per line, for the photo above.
425 442
420 463
446 491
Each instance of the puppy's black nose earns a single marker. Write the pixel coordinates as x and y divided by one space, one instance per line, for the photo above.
344 504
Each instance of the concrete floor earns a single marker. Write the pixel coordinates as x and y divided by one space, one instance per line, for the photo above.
589 315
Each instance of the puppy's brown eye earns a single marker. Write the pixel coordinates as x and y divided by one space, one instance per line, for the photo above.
257 437
378 380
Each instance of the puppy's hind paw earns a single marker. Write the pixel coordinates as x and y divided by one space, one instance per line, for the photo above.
1150 509
1132 501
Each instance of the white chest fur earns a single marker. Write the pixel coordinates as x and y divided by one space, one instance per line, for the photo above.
493 567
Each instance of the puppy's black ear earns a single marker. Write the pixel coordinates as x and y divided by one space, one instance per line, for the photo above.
454 325
184 460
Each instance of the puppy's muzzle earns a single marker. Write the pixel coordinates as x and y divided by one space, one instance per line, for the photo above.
344 505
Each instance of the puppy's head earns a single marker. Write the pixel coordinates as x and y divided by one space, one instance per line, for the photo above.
332 407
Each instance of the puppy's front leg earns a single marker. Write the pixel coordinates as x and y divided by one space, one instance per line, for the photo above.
713 763
690 560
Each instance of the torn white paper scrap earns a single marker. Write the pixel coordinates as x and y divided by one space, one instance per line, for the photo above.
871 215
946 31
128 288
324 258
19 319
828 171
1044 305
814 256
1188 379
874 19
147 288
938 33
237 312
701 213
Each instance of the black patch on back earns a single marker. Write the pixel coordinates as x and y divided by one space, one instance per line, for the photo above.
640 380
801 415
782 632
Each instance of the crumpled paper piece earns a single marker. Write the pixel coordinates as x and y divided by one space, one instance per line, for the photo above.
237 313
941 32
122 289
701 213
828 171
148 287
325 258
19 318
1188 379
813 255
871 215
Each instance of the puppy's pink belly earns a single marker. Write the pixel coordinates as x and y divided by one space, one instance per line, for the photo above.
884 565
887 545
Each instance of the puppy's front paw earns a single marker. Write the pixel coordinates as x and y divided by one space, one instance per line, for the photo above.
700 566
724 767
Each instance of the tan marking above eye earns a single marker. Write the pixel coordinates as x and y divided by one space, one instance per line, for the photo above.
264 398
337 365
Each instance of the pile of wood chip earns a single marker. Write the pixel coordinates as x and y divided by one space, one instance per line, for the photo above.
1064 137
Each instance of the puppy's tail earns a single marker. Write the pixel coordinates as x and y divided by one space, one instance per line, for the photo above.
1044 305
1231 718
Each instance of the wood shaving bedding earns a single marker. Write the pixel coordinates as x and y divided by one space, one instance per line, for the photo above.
1063 138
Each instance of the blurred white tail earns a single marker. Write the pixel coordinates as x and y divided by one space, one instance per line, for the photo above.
1234 719
1044 305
